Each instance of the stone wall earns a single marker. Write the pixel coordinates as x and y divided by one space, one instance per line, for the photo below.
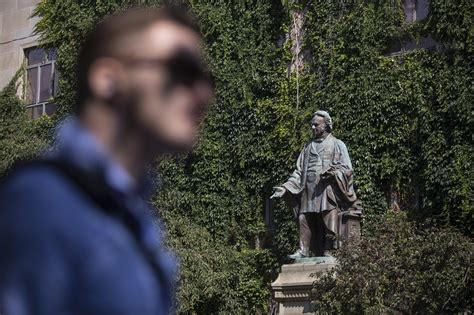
16 34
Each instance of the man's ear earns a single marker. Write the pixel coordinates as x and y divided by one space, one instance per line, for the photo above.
105 76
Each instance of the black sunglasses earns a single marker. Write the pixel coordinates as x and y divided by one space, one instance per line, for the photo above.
183 68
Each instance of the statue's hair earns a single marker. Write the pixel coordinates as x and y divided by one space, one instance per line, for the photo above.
327 118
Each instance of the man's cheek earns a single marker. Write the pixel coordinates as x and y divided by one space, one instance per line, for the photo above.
151 113
179 119
169 120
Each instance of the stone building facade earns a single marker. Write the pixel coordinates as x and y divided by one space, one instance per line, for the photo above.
19 50
16 35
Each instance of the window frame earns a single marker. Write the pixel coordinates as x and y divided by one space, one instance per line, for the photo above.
52 80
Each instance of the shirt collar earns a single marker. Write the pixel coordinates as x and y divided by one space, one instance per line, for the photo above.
77 145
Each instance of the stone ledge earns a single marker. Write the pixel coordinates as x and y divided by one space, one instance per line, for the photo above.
291 295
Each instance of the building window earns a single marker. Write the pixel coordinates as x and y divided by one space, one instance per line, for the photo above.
422 9
41 81
415 10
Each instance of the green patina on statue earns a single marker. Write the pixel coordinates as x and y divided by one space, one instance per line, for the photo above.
320 191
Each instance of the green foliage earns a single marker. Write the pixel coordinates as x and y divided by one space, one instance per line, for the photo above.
400 267
222 185
20 138
214 279
451 23
247 145
406 120
206 280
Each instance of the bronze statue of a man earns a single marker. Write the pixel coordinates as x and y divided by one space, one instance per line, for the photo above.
320 189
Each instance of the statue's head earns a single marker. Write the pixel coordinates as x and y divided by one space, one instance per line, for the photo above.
321 123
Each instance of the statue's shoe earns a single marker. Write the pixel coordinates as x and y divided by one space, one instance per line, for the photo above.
297 255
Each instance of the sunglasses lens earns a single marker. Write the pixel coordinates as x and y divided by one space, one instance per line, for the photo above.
186 69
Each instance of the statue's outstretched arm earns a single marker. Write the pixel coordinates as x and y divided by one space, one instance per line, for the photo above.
293 184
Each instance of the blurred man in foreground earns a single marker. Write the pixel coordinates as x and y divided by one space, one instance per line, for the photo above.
76 235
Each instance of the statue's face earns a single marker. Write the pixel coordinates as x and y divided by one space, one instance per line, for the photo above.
318 125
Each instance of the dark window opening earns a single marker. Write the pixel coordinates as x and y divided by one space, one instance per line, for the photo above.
415 10
41 81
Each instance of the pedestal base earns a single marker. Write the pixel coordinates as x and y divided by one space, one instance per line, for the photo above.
292 289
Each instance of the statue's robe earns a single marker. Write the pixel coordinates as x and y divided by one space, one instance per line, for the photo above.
310 193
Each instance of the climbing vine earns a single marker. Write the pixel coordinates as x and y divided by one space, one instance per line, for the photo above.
405 117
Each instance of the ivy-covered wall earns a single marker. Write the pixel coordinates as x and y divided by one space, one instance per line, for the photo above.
212 200
406 120
20 138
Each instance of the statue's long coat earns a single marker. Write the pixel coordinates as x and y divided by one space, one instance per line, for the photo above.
314 194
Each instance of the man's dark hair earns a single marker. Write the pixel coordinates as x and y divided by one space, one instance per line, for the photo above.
105 40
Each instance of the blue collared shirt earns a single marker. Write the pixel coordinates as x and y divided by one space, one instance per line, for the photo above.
61 255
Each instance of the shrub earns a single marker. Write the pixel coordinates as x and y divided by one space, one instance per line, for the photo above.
400 267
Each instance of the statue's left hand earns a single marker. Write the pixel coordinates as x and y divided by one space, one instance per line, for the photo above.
328 173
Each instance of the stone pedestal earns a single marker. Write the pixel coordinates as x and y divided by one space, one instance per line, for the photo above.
292 289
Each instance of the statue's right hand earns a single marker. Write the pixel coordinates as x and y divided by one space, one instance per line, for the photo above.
279 192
